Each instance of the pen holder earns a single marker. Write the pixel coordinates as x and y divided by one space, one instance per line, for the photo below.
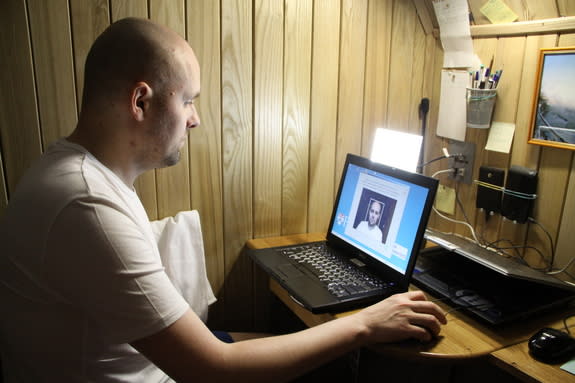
480 103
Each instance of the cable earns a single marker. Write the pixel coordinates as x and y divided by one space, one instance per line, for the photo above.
451 219
441 172
565 323
564 269
530 219
431 161
494 246
506 191
423 109
446 155
463 211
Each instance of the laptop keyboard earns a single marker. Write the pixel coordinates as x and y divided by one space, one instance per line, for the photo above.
341 277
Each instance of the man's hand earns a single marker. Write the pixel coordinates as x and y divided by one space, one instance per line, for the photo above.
403 316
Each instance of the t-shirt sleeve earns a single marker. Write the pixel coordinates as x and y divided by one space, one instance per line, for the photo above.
102 262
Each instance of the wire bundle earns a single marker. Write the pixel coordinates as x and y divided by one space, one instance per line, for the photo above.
506 191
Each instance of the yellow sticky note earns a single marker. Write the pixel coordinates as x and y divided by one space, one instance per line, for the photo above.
445 199
498 12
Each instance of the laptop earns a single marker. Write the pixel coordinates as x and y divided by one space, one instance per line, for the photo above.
375 233
495 289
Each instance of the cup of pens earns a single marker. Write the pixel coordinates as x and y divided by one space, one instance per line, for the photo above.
481 97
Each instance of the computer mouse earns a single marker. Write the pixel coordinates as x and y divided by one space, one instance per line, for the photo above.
550 345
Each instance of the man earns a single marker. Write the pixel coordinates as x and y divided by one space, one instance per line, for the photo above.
371 226
84 293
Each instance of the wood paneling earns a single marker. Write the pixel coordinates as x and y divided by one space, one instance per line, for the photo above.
3 195
129 8
237 147
402 64
377 73
268 122
323 113
295 147
351 81
288 88
19 124
88 20
205 142
54 69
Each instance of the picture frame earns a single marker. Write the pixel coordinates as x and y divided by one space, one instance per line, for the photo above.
553 111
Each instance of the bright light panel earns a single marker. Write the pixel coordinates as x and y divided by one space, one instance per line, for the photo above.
397 149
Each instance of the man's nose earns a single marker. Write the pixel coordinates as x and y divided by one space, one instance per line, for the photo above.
194 120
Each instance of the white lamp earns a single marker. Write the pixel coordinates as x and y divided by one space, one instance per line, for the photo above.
397 149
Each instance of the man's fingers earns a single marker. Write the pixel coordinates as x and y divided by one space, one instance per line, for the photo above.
427 307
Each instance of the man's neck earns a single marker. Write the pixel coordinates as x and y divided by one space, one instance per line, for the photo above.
115 158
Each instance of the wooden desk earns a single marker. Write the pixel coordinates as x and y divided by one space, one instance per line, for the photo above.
461 338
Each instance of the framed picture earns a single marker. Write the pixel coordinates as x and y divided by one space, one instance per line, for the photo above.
553 114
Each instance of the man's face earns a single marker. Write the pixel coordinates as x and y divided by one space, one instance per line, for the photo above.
374 213
176 115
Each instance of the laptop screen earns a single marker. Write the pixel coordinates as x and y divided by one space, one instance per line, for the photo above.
382 211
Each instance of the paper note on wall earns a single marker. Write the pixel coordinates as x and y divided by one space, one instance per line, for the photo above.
498 12
500 137
455 35
451 122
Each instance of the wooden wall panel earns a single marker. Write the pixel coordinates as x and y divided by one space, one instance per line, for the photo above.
54 68
205 141
268 136
564 243
351 81
89 19
538 9
566 7
129 8
3 194
268 122
377 58
403 38
323 113
170 13
295 151
19 124
237 163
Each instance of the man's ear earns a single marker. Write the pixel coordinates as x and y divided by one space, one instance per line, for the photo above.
140 100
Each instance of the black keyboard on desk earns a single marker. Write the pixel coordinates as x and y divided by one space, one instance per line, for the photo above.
340 275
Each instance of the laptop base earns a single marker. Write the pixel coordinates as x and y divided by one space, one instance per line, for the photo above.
481 292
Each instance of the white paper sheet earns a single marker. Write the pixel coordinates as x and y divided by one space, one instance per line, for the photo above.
451 122
453 19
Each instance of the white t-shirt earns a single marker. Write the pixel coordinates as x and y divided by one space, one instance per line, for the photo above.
373 232
80 276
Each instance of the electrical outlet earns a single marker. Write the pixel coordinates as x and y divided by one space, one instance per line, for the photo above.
462 161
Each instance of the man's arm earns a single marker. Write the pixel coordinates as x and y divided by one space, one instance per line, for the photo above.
188 351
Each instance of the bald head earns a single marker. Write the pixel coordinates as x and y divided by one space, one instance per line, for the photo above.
128 51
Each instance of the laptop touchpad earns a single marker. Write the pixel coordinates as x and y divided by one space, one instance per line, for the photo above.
289 270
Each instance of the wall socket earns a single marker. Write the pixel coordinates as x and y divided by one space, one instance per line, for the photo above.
462 162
